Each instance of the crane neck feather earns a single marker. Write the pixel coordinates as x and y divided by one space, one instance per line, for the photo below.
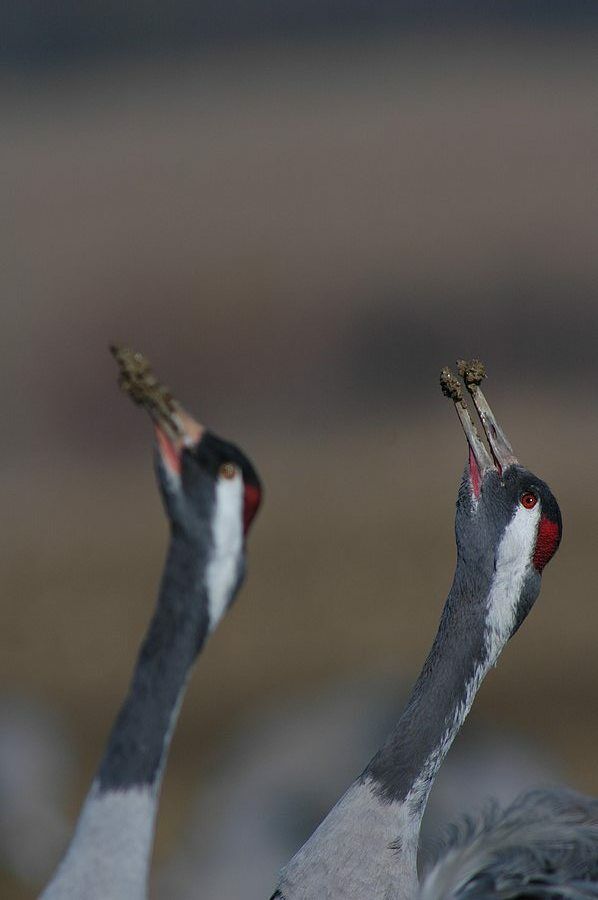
374 828
485 606
138 741
110 851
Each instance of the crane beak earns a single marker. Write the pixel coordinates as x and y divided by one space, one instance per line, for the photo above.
480 461
501 448
473 373
175 428
174 433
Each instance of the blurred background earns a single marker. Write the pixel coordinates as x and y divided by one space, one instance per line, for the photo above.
300 212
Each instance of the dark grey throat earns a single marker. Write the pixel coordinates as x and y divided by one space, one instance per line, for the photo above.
139 740
437 705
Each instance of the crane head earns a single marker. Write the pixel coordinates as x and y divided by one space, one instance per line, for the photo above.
508 522
203 478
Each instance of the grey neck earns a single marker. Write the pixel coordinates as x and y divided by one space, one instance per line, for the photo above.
139 741
405 767
367 845
110 851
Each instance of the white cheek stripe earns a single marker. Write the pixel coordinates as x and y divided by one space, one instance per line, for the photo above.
513 560
227 537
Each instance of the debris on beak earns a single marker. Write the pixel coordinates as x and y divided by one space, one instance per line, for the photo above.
175 428
472 374
480 461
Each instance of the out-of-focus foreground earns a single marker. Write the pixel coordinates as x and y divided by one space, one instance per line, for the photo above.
299 239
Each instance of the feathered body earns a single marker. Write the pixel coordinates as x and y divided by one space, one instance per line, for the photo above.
544 845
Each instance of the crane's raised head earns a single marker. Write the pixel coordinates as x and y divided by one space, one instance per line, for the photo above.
508 522
203 478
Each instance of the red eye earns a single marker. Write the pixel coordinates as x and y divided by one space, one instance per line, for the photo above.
528 500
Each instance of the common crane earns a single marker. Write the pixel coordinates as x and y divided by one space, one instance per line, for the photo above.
508 527
211 493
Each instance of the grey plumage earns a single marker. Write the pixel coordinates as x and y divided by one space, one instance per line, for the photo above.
369 841
544 845
507 527
210 492
284 768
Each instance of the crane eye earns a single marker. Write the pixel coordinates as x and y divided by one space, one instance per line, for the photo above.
227 470
528 500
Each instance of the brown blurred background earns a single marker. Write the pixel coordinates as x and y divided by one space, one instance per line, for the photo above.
300 229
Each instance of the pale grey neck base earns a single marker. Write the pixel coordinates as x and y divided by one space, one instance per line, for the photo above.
366 847
110 851
355 854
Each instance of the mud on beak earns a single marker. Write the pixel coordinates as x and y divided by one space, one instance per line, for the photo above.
472 374
480 461
175 428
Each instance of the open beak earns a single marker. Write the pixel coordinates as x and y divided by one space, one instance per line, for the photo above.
502 451
175 428
480 461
